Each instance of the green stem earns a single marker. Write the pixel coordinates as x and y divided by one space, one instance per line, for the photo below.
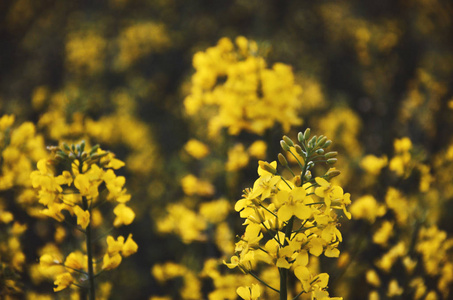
283 285
284 181
298 295
298 161
260 280
88 236
284 272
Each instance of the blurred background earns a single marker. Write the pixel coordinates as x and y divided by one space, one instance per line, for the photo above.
118 73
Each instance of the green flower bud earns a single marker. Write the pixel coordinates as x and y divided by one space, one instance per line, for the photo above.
322 141
327 144
94 149
307 176
320 151
267 167
282 160
300 137
82 146
312 142
284 145
331 154
288 141
331 173
299 151
66 147
306 134
331 161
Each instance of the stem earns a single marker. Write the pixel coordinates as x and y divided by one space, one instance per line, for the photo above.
90 256
298 161
260 280
283 288
284 272
298 295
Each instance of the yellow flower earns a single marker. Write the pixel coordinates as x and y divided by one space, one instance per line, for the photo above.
258 149
83 216
75 260
293 204
366 207
63 281
114 247
373 164
129 247
249 293
110 263
237 158
54 211
86 188
124 215
196 148
48 260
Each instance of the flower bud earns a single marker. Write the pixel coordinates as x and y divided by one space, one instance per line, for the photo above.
307 176
331 161
331 173
94 149
300 137
306 134
327 144
284 145
321 141
297 181
282 160
320 151
331 154
288 141
299 150
312 142
267 167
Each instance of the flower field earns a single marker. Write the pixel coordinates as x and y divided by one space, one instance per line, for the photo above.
195 150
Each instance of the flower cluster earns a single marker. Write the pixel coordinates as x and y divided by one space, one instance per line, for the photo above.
244 92
74 184
287 220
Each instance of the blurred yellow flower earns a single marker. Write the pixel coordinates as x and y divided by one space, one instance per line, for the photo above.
124 215
196 148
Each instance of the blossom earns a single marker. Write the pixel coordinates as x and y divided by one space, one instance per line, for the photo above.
62 281
83 216
249 293
124 215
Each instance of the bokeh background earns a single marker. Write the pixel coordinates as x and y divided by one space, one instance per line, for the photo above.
118 73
